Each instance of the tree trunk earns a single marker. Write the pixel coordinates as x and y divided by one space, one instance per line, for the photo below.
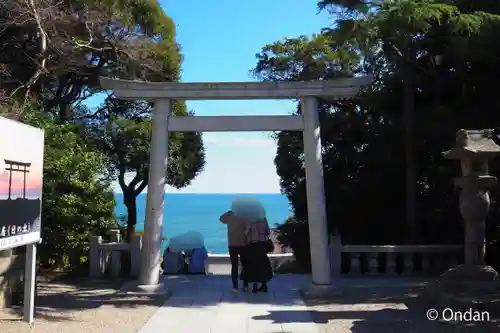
409 119
130 203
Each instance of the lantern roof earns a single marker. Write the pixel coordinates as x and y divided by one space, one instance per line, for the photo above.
473 143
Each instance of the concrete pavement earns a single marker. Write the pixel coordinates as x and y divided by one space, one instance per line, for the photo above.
206 304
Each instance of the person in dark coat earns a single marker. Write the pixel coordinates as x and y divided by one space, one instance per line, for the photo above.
258 269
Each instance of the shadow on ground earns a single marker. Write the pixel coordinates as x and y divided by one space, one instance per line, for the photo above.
369 307
387 310
53 300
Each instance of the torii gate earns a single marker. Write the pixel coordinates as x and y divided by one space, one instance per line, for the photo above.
162 93
19 167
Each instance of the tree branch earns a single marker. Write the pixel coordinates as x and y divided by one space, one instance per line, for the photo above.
135 181
141 187
121 179
43 49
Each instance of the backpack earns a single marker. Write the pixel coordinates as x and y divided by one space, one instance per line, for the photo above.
172 262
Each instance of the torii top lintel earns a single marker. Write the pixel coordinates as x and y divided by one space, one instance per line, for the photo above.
326 89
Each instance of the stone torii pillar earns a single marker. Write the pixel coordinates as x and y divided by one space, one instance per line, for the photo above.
153 224
315 188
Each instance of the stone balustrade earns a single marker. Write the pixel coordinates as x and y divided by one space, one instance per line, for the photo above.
106 258
217 264
346 260
393 259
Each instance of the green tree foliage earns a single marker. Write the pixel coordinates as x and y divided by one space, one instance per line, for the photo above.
57 50
126 140
52 54
291 234
396 28
364 151
77 198
76 203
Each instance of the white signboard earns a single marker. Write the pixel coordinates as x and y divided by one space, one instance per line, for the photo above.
21 181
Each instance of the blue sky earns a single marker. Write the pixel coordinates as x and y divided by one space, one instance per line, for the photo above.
219 40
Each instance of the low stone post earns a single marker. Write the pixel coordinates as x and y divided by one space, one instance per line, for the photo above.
95 258
474 148
336 255
135 255
114 235
115 268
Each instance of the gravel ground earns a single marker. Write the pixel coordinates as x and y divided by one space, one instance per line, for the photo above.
84 307
384 310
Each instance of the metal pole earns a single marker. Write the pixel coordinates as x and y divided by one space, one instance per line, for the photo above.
29 283
413 231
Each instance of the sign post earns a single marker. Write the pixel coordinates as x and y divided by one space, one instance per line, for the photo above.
29 283
21 182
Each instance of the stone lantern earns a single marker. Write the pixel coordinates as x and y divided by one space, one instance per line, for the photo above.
474 148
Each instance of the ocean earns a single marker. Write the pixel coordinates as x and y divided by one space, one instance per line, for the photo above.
201 212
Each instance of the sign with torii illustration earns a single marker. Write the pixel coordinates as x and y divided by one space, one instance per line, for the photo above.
21 181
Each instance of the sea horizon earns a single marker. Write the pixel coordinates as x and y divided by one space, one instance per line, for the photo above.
184 212
224 193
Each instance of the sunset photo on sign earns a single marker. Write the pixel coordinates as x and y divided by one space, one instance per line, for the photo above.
14 180
18 160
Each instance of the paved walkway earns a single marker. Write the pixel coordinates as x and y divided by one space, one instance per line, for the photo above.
208 305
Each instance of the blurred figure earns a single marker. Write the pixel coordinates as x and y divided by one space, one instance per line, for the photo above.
237 242
198 258
189 247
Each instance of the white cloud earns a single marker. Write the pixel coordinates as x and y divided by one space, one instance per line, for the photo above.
238 140
235 163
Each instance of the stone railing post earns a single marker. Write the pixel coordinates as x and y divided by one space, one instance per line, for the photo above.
115 268
114 235
95 258
135 255
335 255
